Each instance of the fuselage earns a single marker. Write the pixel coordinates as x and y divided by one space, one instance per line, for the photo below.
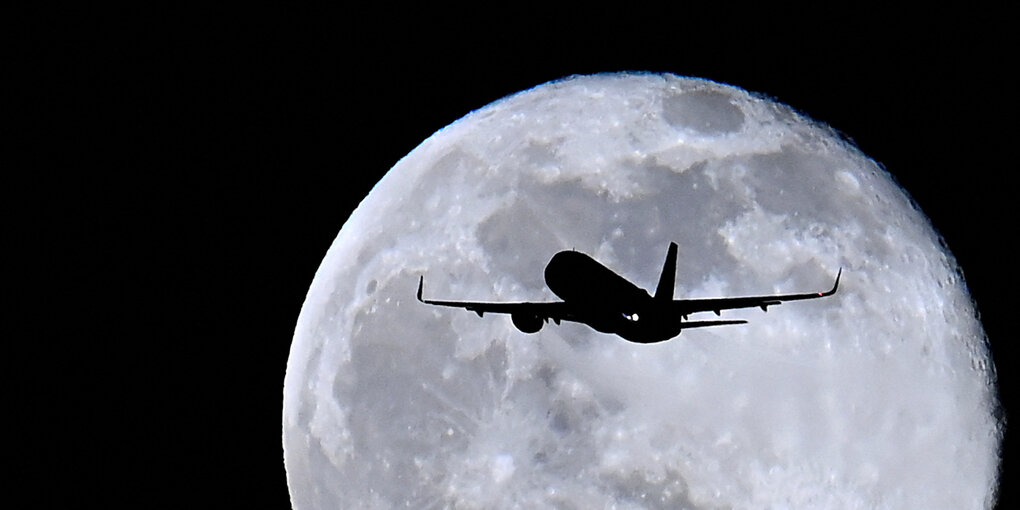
607 302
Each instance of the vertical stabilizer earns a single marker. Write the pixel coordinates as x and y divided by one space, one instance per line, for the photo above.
664 290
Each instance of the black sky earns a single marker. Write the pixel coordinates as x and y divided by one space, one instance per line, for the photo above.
188 170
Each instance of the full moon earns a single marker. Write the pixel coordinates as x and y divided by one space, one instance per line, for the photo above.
881 396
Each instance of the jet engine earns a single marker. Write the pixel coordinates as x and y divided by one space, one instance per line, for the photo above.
527 323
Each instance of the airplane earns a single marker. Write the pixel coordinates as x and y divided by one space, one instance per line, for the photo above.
594 295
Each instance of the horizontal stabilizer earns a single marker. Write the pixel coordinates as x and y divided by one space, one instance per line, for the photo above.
703 324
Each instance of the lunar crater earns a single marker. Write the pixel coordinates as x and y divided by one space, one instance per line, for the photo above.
707 112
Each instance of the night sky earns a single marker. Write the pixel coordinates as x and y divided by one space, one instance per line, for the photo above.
187 172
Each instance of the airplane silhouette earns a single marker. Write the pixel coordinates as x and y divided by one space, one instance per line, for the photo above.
596 296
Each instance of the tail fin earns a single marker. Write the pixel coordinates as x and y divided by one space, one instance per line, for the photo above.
664 290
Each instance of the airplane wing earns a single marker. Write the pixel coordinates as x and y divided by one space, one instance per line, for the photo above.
686 306
555 310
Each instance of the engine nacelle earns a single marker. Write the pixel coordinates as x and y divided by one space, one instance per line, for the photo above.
527 323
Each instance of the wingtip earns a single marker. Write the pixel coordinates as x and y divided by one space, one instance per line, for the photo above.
421 282
835 285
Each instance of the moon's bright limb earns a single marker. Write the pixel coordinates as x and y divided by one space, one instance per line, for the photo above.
880 397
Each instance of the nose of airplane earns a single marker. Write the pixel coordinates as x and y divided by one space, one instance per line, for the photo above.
574 276
565 260
564 268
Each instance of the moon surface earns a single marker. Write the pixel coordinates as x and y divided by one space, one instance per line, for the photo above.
881 396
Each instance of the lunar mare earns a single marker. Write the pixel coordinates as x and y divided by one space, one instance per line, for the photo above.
879 397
